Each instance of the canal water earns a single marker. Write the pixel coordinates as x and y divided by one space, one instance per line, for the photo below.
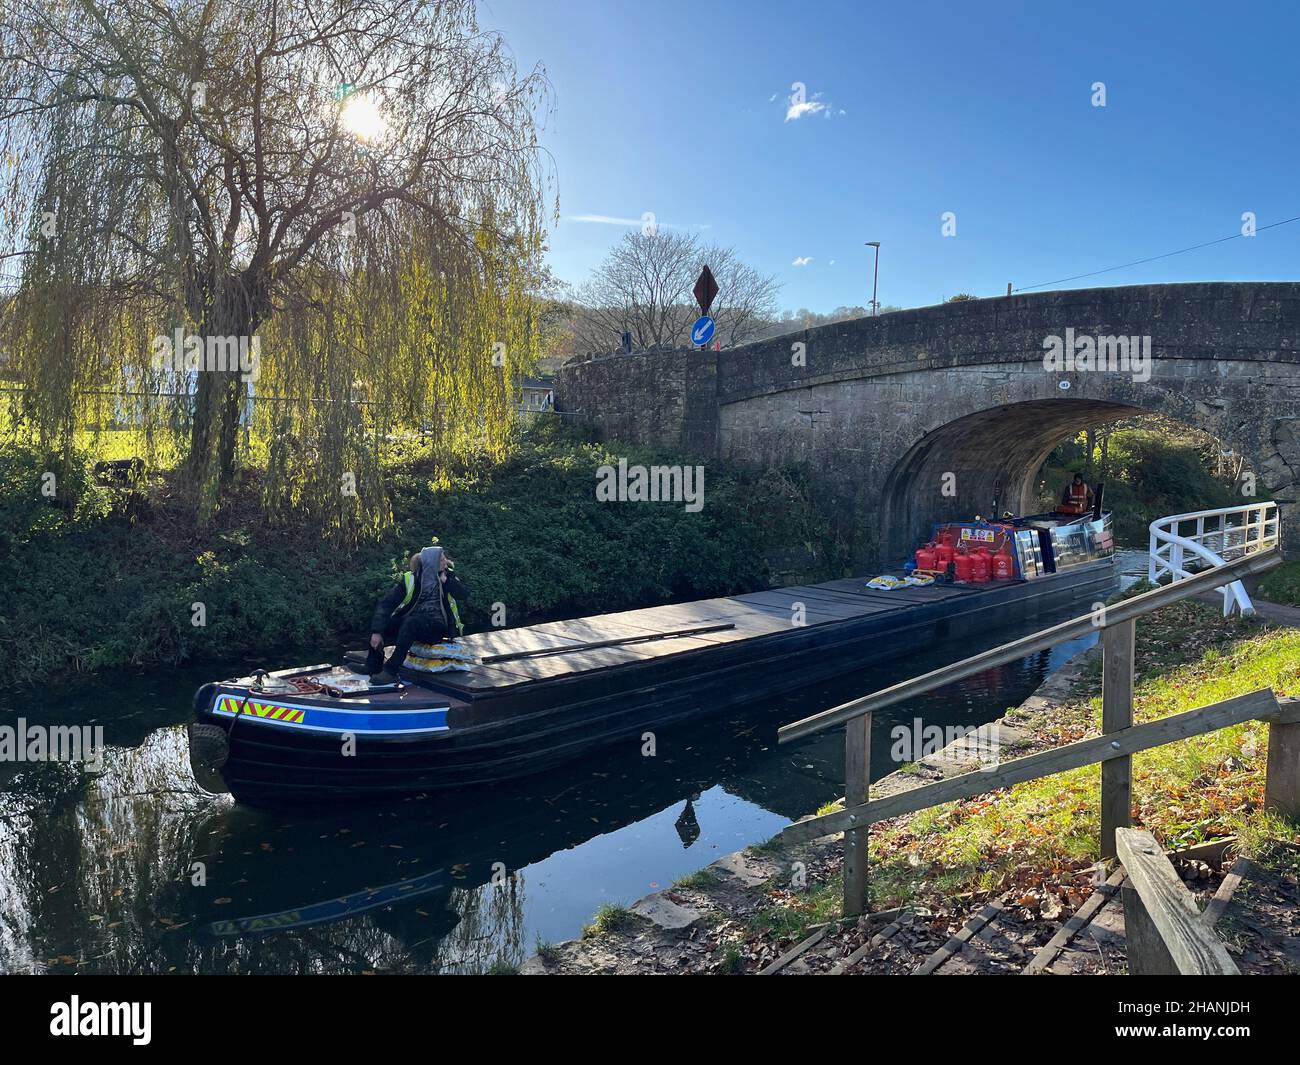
137 870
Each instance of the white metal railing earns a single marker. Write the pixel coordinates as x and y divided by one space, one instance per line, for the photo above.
1186 544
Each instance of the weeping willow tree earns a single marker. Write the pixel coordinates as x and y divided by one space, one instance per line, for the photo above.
283 229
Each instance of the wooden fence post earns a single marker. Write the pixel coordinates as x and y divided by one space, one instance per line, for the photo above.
857 777
1282 776
1117 642
1164 931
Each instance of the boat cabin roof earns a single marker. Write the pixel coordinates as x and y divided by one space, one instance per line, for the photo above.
756 614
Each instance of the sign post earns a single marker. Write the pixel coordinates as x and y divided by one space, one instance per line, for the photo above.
706 289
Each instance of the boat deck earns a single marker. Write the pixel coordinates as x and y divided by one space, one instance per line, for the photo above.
751 617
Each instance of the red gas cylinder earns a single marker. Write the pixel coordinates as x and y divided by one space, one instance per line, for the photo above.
925 557
943 554
1003 568
962 563
979 566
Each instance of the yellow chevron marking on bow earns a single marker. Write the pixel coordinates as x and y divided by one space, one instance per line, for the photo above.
229 704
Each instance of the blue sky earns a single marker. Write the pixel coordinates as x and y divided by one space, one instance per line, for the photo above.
666 106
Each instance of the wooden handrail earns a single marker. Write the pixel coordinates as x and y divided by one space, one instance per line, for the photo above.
1115 614
1255 706
1112 750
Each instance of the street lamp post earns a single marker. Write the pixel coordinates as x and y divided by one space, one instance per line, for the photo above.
875 276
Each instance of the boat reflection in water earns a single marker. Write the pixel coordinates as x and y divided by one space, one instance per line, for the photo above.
140 870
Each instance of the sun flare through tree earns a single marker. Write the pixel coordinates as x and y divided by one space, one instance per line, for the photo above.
280 234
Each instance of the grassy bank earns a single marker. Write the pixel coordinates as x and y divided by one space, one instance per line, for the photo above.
115 582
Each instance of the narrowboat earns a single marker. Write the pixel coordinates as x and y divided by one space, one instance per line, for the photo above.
512 702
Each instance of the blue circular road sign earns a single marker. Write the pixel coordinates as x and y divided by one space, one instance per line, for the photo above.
702 330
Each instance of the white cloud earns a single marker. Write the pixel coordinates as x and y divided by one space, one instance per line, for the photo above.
616 220
801 260
605 219
796 111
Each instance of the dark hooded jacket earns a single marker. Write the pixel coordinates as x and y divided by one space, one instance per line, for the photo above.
437 601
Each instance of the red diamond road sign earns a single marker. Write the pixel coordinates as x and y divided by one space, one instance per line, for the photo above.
706 288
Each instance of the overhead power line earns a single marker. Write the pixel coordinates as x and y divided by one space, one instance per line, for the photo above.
1154 258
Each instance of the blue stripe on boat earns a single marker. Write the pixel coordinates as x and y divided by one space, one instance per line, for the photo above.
340 720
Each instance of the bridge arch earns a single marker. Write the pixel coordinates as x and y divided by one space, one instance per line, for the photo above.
959 468
962 466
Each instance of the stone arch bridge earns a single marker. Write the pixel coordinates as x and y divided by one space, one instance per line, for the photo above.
879 410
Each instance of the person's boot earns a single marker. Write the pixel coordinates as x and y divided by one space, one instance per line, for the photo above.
383 677
359 662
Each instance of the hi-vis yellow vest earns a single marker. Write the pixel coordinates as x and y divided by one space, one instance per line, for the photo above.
408 579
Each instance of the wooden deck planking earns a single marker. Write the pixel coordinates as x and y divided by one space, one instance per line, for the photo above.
749 624
672 617
814 613
811 617
821 591
604 627
480 678
754 617
749 621
915 595
508 641
786 603
547 667
815 593
907 594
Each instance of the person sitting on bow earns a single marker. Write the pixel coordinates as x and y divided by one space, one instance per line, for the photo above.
422 608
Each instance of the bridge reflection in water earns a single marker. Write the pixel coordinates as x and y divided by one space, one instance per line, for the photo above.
138 870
